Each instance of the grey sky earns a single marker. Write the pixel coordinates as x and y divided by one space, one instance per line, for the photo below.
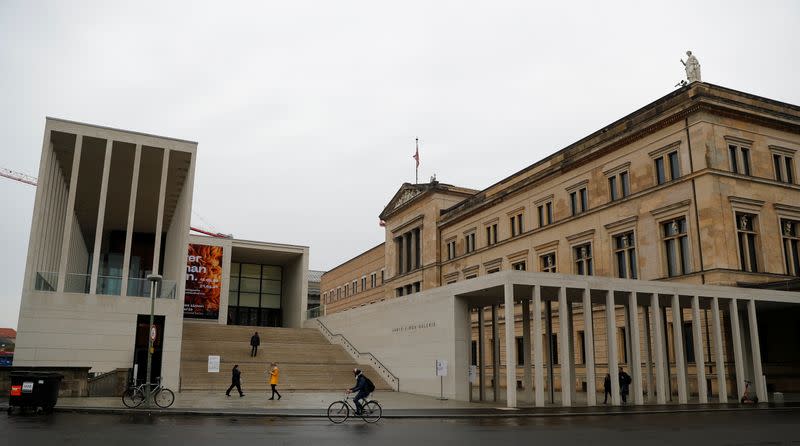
306 112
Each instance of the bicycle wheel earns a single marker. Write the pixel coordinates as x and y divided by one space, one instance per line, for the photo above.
338 412
371 412
164 398
132 397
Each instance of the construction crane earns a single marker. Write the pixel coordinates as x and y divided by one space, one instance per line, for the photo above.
27 179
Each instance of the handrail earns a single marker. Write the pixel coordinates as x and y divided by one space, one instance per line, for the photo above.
354 351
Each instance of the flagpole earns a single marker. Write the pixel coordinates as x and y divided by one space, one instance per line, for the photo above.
416 172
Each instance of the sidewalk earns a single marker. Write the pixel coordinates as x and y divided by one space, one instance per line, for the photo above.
395 405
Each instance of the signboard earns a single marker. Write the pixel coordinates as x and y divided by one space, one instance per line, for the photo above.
27 387
441 367
213 364
473 374
203 282
153 333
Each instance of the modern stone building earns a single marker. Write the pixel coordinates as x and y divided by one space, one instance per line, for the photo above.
698 188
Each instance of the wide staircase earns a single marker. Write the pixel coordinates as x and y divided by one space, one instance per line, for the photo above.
307 361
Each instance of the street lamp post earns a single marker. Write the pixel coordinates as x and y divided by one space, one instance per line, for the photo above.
155 281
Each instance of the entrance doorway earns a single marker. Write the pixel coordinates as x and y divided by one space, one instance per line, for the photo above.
140 348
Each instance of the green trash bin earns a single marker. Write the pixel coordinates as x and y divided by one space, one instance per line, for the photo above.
34 390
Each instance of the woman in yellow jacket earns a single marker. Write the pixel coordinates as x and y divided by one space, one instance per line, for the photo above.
273 379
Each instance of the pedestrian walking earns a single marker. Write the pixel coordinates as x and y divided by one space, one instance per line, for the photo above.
624 385
255 341
273 379
606 388
236 381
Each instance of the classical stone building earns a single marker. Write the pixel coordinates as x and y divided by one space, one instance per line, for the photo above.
698 187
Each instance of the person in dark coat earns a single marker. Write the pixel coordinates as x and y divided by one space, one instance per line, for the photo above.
624 385
236 381
255 341
361 388
606 388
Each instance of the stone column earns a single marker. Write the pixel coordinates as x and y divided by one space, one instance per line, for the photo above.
635 359
162 195
677 337
481 354
588 338
126 258
526 349
611 335
538 362
722 383
699 355
565 353
412 235
736 340
648 354
661 385
511 351
551 380
70 214
101 217
495 355
572 372
758 373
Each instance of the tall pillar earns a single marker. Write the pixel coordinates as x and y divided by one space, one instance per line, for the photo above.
495 355
407 253
412 235
661 385
511 351
635 359
70 213
565 353
126 258
588 339
551 380
571 328
758 373
677 341
538 362
527 376
699 355
722 383
162 195
101 216
611 332
481 354
398 245
648 354
736 340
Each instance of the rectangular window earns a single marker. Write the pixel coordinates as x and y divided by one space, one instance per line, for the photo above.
625 255
573 203
469 241
519 266
355 286
451 249
363 283
373 280
746 235
619 186
583 259
688 341
545 214
516 225
579 201
676 246
382 275
548 262
625 181
612 188
662 174
582 343
471 276
674 166
790 232
520 351
491 234
739 159
784 167
398 292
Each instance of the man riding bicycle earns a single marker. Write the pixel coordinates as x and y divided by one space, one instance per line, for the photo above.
363 386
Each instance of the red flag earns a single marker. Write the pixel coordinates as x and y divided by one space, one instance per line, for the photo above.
416 154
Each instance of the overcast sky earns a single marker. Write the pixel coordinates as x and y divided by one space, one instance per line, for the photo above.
306 112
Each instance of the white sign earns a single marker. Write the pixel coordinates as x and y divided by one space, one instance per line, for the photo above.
473 374
213 364
441 367
153 332
27 387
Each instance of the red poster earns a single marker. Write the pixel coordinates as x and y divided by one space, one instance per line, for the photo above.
203 282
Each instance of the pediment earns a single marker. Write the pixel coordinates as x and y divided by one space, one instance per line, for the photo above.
405 194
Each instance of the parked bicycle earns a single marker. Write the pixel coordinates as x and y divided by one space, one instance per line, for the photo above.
748 397
134 395
339 411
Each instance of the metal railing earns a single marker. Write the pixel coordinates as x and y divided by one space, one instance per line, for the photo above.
46 281
77 283
107 285
141 288
337 338
313 313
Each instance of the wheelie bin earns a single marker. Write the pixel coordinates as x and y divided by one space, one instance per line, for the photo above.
34 390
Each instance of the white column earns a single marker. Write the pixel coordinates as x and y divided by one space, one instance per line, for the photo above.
722 384
160 220
677 344
495 355
648 354
511 351
538 363
101 217
70 214
611 329
758 372
481 355
126 259
635 359
699 355
526 349
46 182
563 326
588 338
572 373
412 238
736 335
661 384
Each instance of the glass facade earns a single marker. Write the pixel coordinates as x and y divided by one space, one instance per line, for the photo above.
254 296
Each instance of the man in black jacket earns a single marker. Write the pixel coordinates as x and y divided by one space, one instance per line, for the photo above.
236 381
255 341
361 388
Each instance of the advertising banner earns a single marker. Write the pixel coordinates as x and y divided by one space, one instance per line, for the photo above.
203 282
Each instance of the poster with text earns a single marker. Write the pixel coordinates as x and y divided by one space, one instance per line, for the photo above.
203 282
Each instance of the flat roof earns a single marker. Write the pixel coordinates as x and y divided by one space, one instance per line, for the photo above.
119 130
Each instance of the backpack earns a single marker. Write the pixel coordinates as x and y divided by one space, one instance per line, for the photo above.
369 387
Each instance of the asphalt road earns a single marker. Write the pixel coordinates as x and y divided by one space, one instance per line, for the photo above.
718 428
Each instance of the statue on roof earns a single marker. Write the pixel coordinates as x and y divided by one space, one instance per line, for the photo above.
692 68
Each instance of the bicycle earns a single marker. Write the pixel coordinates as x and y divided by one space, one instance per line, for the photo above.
339 411
748 397
134 396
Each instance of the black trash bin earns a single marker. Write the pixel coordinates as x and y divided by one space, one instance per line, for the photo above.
34 390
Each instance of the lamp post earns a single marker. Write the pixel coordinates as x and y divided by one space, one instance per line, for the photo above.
155 281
